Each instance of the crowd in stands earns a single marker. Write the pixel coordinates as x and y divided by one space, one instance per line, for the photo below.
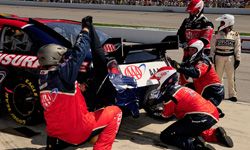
178 3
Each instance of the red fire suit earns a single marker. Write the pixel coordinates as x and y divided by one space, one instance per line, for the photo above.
199 28
195 117
65 111
205 79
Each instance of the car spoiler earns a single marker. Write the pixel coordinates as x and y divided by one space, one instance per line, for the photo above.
115 47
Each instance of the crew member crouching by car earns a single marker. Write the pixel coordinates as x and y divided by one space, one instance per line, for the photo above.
195 115
199 67
68 120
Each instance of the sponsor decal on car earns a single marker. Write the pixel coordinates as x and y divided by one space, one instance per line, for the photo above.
109 48
135 71
152 71
142 71
19 60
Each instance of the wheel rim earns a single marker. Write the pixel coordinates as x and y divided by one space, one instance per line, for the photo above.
151 97
24 99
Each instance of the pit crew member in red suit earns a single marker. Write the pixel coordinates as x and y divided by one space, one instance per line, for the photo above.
195 115
68 120
199 67
196 26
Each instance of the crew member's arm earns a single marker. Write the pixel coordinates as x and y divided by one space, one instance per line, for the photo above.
237 50
212 44
207 33
181 32
169 109
185 69
69 69
183 80
195 71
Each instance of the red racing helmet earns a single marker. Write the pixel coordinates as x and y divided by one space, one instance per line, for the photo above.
195 6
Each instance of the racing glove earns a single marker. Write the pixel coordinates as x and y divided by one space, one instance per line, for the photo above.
236 64
87 22
173 63
183 45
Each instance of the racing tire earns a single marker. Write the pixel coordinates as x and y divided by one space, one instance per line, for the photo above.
155 110
21 99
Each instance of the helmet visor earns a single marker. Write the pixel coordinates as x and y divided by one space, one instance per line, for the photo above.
222 23
192 51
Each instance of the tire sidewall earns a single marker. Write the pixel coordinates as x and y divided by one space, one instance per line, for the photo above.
35 116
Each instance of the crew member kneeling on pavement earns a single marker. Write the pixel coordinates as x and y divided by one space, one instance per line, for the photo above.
199 67
195 115
226 47
68 120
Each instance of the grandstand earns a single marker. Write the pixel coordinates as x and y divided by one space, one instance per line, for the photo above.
178 3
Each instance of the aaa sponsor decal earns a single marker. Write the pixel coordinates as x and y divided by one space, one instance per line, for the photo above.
135 71
48 98
19 60
109 48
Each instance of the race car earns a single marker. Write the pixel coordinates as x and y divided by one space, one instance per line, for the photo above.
21 38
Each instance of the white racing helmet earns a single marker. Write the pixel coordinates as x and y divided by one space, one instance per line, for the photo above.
197 44
226 21
167 77
51 54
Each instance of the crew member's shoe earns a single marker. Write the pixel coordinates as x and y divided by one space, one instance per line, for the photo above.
223 138
200 144
233 99
221 114
56 144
